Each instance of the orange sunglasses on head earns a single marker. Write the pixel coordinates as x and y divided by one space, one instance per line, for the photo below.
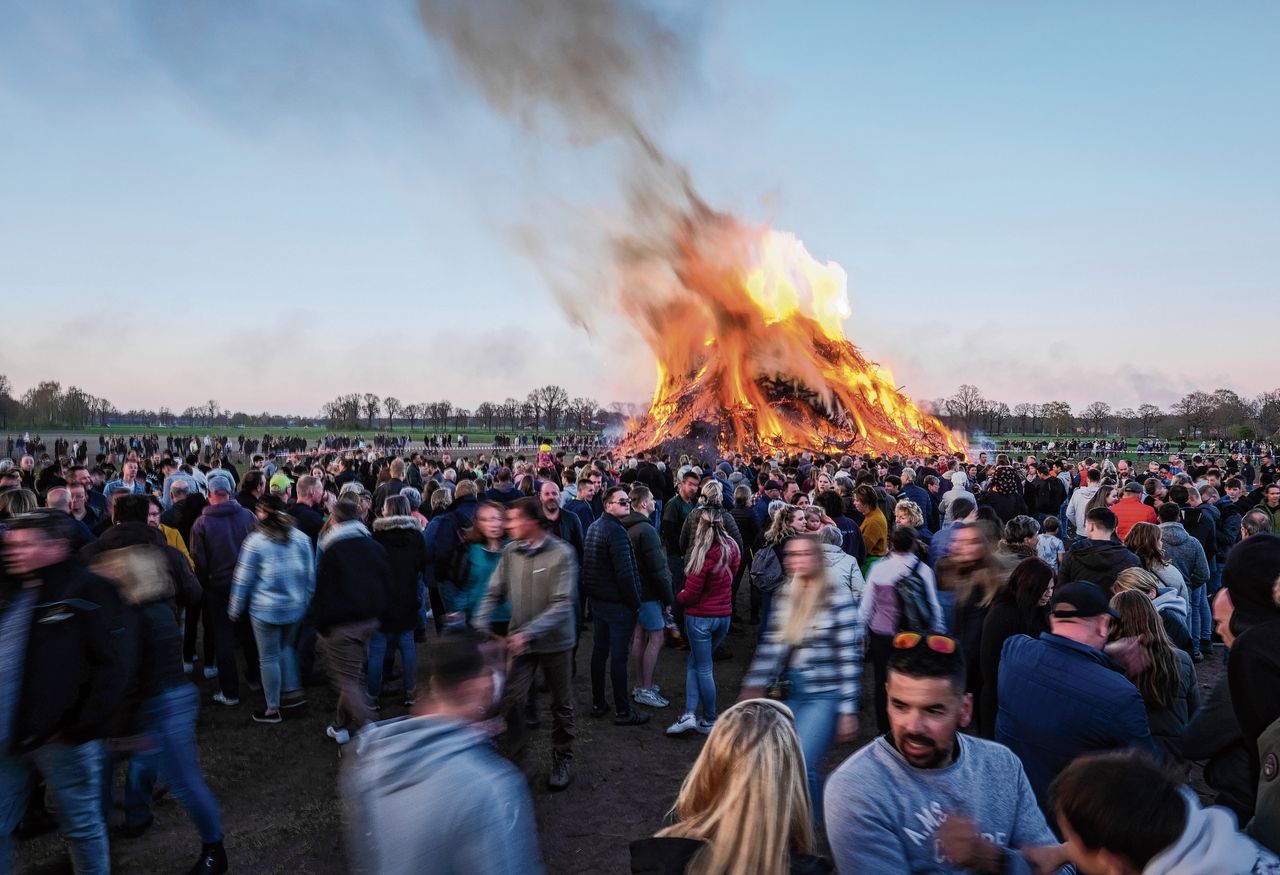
936 643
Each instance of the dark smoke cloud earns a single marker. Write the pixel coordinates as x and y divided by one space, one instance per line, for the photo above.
604 68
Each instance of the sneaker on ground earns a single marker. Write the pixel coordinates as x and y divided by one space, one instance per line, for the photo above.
631 718
188 668
265 716
210 671
705 726
686 723
294 702
341 736
649 697
222 699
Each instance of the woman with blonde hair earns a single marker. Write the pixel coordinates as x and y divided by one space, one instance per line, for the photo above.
707 599
811 656
1171 607
1168 684
1144 542
744 807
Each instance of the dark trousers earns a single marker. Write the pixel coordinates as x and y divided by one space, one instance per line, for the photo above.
225 634
557 668
195 614
613 625
676 566
880 648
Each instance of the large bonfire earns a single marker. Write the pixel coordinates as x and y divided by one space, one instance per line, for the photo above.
751 350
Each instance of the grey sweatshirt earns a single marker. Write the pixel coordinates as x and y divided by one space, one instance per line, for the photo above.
429 795
882 813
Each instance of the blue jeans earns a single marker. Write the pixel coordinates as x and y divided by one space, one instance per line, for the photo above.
378 646
1199 616
277 659
705 635
169 722
613 624
816 715
74 775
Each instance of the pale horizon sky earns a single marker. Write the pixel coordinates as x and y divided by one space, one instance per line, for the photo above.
273 204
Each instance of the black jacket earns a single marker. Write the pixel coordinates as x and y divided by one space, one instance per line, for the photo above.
609 565
1097 562
670 856
307 520
568 528
1050 493
186 588
78 660
1007 505
401 538
651 559
353 578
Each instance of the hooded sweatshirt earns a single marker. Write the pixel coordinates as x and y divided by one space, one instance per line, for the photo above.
1185 554
428 794
844 568
882 813
1079 502
1211 845
1097 562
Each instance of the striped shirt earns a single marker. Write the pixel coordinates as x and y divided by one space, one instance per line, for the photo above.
829 660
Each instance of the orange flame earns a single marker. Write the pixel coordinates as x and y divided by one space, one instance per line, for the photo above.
750 340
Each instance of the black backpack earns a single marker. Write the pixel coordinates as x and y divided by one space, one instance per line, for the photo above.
766 571
915 614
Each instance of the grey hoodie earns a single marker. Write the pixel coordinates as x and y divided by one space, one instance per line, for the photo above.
1185 554
1211 845
882 813
844 568
428 796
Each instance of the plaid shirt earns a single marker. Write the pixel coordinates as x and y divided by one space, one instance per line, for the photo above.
829 660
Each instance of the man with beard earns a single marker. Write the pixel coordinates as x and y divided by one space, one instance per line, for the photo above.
926 798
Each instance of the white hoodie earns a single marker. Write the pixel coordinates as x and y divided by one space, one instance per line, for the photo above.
1211 845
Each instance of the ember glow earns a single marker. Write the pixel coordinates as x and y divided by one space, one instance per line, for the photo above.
748 335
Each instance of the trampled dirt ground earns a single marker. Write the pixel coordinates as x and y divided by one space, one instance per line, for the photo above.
282 813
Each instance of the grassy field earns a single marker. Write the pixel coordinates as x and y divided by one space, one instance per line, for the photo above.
475 434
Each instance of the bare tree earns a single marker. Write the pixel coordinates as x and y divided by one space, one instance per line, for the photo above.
1149 415
1096 415
372 404
394 408
966 404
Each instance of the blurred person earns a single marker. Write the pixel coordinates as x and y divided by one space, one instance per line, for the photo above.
810 656
874 525
65 665
1021 536
851 542
1062 695
882 609
962 510
1020 607
744 808
149 574
842 567
713 561
273 583
16 502
768 570
1122 814
1168 682
445 538
610 580
401 537
353 584
927 798
216 538
535 579
1100 557
426 793
972 574
656 598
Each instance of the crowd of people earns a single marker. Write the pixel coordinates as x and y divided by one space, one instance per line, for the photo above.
1030 627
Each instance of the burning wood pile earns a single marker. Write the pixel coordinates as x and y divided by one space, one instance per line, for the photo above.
751 350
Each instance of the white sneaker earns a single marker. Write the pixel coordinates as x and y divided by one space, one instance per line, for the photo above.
222 699
210 671
188 668
686 723
705 726
341 736
649 697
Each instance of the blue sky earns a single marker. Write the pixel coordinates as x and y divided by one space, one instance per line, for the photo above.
271 204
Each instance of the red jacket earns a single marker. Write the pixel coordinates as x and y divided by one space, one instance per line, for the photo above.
708 592
1130 510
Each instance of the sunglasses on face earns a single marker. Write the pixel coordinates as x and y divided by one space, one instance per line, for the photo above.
937 643
625 502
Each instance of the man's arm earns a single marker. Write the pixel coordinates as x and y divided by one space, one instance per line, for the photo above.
862 841
110 653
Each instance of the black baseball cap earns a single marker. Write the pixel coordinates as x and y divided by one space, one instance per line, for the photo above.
1079 599
772 484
